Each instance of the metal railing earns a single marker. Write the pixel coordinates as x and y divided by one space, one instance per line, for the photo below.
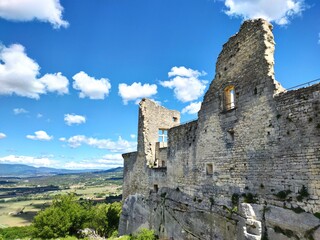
307 84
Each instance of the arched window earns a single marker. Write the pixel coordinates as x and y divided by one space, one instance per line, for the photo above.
229 98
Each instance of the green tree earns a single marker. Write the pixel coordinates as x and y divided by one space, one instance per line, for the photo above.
104 218
64 217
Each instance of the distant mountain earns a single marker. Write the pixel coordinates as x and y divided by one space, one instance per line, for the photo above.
118 169
21 170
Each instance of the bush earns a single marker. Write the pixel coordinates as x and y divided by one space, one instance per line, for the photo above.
15 232
144 234
283 194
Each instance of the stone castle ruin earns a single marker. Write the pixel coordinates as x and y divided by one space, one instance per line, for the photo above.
247 168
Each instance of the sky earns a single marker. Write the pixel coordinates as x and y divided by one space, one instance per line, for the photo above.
73 72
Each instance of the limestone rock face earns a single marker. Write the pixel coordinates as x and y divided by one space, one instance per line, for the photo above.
176 215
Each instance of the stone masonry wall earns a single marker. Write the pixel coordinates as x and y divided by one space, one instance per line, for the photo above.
264 151
152 117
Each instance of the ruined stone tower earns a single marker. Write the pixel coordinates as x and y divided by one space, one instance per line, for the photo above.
247 168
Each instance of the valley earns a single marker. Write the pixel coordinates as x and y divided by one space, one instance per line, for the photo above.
21 198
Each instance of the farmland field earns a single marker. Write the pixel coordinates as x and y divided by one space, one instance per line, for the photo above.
22 198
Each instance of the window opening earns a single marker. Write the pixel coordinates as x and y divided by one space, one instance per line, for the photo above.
174 119
163 163
209 168
155 187
163 135
229 95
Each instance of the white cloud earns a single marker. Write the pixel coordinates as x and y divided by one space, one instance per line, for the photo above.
40 135
192 108
2 135
112 160
19 75
120 145
28 10
133 136
55 83
136 91
34 161
74 119
18 111
91 87
107 161
186 83
278 11
39 115
319 39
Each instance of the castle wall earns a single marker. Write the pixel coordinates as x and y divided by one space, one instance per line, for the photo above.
138 174
153 117
253 142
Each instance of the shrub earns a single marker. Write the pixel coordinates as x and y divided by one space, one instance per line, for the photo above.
249 198
303 193
144 234
283 194
15 232
235 199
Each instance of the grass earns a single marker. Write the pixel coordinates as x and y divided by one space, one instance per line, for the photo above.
8 212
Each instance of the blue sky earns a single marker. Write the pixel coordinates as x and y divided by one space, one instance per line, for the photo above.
72 72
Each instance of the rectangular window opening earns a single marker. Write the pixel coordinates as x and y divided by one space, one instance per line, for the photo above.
229 95
163 135
209 168
155 187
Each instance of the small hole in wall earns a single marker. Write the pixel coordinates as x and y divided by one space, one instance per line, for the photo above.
174 119
255 91
155 187
230 134
209 168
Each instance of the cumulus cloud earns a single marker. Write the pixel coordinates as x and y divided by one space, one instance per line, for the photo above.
278 11
2 135
74 119
40 135
91 87
136 91
186 83
19 75
28 10
18 111
120 145
29 160
55 83
192 108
